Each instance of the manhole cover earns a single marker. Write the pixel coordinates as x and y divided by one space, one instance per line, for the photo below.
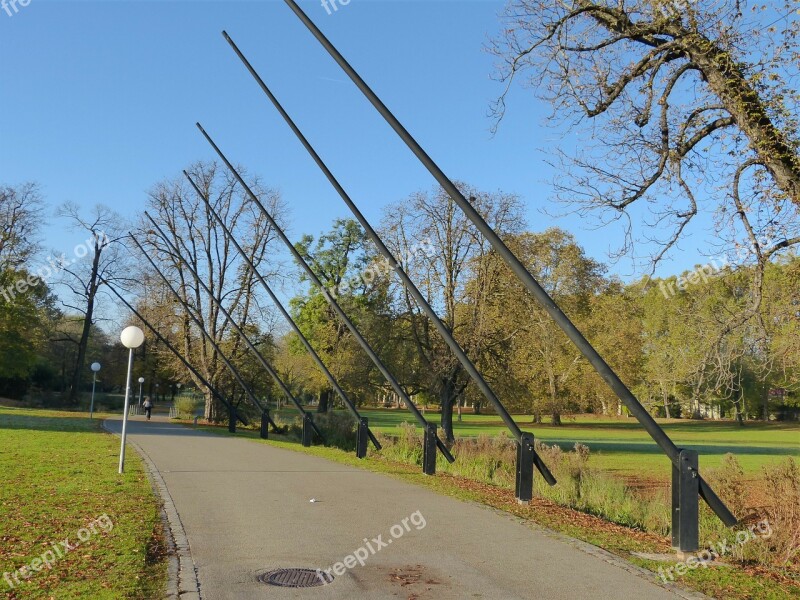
296 578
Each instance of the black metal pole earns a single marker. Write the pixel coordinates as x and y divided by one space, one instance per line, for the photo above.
232 419
172 349
328 375
207 335
444 332
685 515
260 357
429 449
362 437
334 305
524 481
544 299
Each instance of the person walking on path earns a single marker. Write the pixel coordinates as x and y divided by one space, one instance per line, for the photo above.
148 407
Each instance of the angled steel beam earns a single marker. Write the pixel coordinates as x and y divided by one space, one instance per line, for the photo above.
328 375
231 368
177 354
334 305
444 332
568 327
260 357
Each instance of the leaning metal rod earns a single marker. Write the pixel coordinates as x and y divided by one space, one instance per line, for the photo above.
462 357
549 305
207 335
235 325
334 305
284 312
177 354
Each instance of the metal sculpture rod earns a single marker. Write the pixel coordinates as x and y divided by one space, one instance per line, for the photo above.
331 379
334 305
231 368
444 332
177 354
260 357
568 327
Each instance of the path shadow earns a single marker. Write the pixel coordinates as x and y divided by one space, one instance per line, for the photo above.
63 424
157 426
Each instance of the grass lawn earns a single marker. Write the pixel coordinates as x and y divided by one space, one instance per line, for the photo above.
60 483
622 446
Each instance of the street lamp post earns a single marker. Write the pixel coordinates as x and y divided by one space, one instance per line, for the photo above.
132 337
95 368
141 383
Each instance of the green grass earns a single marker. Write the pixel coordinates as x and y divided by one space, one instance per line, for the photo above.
60 474
621 445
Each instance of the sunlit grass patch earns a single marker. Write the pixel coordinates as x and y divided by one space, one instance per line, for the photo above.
59 476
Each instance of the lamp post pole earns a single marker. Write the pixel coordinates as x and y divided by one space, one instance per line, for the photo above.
141 383
95 368
131 337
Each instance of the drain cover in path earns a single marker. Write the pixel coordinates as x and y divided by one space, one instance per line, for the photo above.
295 578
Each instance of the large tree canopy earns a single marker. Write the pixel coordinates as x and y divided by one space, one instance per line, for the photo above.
687 102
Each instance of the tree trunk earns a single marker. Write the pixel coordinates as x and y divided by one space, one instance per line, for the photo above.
447 397
554 408
741 100
447 421
666 405
738 404
215 411
91 292
324 401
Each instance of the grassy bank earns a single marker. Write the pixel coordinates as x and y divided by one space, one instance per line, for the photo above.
620 445
61 484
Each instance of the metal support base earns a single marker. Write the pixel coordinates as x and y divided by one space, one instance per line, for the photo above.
429 450
525 453
232 419
308 430
362 437
685 503
265 424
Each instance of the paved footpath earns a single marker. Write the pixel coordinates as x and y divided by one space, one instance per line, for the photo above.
245 510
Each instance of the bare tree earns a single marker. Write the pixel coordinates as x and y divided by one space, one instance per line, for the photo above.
106 263
687 101
186 220
437 246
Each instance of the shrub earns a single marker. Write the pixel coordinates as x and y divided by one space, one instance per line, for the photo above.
406 446
292 428
339 429
782 483
186 407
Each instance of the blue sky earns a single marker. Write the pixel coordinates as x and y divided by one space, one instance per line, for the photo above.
99 101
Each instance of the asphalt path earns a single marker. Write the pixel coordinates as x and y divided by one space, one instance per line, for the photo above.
246 509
